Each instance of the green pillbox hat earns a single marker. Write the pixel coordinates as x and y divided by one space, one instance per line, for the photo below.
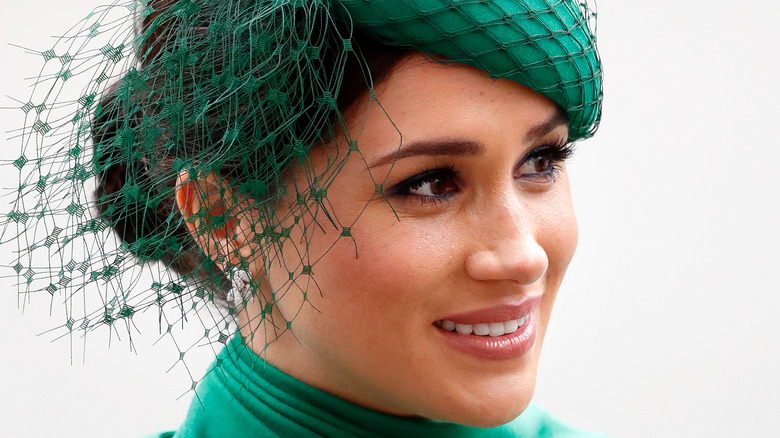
545 45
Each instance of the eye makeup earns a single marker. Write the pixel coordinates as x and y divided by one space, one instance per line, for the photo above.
431 185
542 165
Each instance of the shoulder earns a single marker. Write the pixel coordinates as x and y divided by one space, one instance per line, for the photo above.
537 422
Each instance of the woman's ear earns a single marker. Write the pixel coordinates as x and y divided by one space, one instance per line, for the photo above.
212 214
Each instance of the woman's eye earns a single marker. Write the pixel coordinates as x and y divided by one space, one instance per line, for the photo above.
543 163
431 185
537 165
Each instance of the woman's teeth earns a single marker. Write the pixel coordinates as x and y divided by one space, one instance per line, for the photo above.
486 329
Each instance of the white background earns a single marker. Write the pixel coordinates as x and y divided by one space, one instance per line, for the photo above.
666 324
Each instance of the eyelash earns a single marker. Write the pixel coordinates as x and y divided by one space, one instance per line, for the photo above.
556 153
444 173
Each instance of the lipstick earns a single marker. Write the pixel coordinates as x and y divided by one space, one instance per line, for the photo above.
497 333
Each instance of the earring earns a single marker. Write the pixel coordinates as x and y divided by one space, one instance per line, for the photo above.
240 293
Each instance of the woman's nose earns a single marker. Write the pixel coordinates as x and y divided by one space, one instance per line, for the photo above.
509 249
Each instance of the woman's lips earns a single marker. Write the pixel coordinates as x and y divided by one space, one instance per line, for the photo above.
483 329
498 333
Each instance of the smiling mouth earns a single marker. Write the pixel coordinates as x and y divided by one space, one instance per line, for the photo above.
503 332
492 329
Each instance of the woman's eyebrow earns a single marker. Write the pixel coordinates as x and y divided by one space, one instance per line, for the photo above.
540 130
466 147
432 148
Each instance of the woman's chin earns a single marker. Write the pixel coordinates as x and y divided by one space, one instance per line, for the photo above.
491 417
488 411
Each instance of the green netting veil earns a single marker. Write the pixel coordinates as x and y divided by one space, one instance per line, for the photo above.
143 94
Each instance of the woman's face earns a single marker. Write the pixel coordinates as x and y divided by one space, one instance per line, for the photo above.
472 231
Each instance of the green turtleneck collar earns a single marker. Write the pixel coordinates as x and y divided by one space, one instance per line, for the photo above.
241 395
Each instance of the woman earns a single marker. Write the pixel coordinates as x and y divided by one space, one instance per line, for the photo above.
374 191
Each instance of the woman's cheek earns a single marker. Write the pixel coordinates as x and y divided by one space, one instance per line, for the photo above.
392 265
562 233
558 235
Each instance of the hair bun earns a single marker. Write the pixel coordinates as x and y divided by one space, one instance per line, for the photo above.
125 195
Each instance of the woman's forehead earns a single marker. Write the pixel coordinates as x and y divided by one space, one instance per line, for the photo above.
423 98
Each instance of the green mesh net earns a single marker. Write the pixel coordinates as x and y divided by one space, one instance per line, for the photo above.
143 97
